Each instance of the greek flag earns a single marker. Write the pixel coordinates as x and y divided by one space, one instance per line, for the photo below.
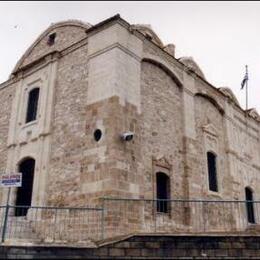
245 79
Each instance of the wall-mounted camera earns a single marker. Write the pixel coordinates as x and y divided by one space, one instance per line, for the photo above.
127 136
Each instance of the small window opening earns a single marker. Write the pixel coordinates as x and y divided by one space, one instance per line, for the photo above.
51 39
212 172
148 36
32 105
163 192
250 206
97 134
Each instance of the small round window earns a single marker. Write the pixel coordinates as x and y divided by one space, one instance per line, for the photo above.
97 134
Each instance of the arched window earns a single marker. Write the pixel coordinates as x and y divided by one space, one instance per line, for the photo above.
212 171
249 205
24 193
32 105
163 192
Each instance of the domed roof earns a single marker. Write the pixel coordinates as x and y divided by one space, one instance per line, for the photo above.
66 37
147 30
253 113
191 64
229 93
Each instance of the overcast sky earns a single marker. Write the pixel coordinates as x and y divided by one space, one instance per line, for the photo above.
222 37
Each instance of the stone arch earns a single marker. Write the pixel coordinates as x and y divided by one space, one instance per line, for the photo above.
24 158
250 189
165 69
52 27
24 193
212 101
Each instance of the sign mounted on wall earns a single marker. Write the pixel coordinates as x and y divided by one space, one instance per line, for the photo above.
11 180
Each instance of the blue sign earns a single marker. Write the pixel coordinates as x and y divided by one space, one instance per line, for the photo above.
11 180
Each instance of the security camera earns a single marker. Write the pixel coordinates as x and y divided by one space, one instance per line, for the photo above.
128 136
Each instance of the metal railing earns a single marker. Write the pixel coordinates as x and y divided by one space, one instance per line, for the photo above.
51 224
125 216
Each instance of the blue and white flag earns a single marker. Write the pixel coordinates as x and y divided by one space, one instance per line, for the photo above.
245 79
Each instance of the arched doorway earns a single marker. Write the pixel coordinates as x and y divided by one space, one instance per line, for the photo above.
250 205
24 193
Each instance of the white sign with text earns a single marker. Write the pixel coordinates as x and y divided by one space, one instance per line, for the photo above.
11 180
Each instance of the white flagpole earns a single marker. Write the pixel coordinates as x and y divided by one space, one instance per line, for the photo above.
247 88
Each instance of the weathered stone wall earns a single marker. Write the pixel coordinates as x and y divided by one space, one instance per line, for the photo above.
109 167
68 130
243 148
237 140
211 137
146 247
6 97
161 129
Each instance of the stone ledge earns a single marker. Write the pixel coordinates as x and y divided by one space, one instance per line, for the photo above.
149 246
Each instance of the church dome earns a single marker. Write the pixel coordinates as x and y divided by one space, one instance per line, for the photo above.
191 64
147 30
228 93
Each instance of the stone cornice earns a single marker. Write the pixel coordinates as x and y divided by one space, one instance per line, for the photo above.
242 159
112 46
76 23
8 83
45 60
36 65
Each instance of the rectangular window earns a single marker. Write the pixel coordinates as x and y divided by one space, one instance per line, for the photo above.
212 172
32 105
163 192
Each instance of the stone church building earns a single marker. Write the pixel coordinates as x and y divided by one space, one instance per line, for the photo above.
109 111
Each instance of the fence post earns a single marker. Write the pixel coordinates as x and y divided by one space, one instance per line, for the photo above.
155 215
5 223
55 224
103 220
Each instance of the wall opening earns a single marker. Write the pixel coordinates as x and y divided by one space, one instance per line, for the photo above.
163 192
250 205
51 39
24 193
212 171
32 105
97 135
